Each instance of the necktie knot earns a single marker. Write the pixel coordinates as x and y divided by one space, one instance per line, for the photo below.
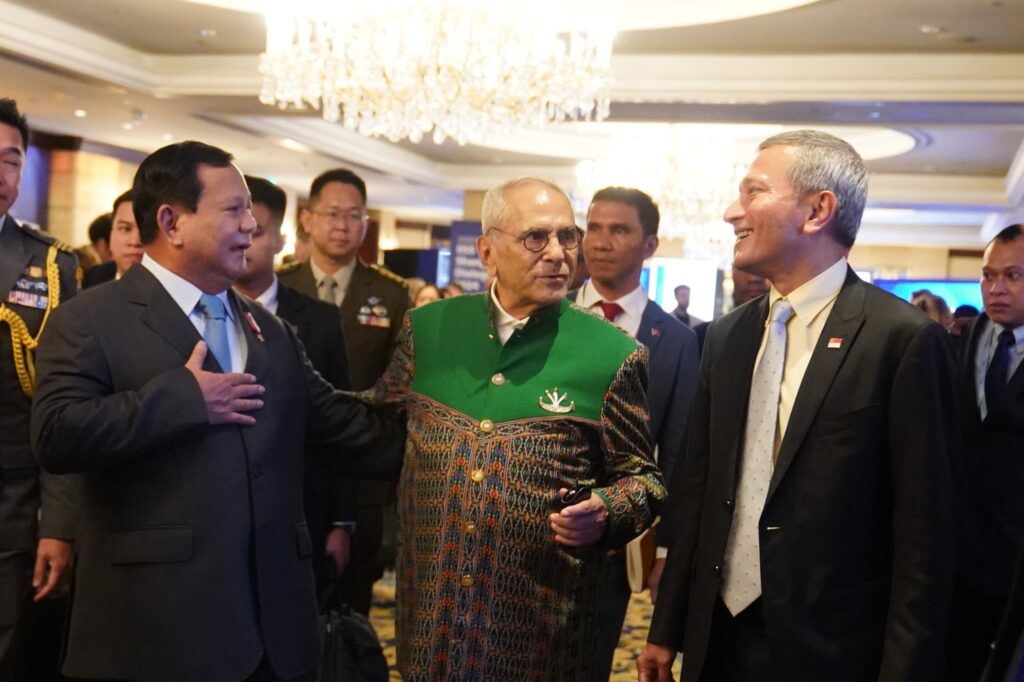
781 311
610 310
212 307
1007 339
328 289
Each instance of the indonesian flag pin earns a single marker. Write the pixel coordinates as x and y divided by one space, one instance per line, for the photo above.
253 326
835 342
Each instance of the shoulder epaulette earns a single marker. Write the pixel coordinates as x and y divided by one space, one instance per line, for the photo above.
381 270
288 267
45 237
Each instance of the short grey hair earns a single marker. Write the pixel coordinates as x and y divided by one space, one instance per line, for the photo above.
826 162
495 208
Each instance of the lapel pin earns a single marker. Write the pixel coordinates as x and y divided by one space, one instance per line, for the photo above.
253 326
655 331
835 342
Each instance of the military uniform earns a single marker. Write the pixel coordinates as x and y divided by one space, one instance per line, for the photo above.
371 315
36 274
484 593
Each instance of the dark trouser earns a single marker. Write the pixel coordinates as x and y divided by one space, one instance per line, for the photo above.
737 647
614 602
15 594
974 623
364 567
263 673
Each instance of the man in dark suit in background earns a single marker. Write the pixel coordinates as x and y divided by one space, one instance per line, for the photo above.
992 474
622 232
38 511
373 302
125 245
330 495
815 507
745 287
189 409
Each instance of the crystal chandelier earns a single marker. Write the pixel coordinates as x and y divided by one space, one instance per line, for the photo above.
692 176
464 69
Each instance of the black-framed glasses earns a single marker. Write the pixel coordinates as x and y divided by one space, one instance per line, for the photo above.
536 240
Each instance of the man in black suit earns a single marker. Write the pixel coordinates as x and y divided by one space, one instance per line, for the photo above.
373 302
125 245
814 511
330 495
992 474
188 409
37 511
622 232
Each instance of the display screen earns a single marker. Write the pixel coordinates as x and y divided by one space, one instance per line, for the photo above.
956 292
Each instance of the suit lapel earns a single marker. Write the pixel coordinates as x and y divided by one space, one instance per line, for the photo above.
13 257
256 347
162 314
970 361
731 375
844 322
650 332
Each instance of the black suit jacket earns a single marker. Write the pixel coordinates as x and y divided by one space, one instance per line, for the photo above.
369 347
100 274
33 503
330 495
193 548
673 381
991 477
856 550
1010 630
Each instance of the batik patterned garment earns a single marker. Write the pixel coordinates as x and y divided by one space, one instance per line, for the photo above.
484 592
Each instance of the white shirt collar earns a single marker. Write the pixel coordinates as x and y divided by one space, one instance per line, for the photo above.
3 219
184 293
1018 334
811 297
268 299
505 323
632 303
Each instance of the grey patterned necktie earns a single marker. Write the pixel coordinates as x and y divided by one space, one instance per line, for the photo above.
742 583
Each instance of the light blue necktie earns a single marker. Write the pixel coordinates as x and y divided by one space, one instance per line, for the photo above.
742 582
216 333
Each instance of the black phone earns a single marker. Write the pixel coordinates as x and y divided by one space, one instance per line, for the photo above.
574 496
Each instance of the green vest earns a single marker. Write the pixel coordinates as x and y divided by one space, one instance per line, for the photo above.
560 365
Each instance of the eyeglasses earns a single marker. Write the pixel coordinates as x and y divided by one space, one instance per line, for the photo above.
536 240
350 217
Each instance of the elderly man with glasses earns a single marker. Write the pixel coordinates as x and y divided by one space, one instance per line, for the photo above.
530 456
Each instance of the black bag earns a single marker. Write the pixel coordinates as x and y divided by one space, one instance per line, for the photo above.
352 652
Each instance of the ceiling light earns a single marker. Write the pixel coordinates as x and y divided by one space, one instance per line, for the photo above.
81 113
168 137
459 69
931 29
205 33
127 126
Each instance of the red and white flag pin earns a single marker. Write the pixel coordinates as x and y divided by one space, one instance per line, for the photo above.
835 342
655 331
253 326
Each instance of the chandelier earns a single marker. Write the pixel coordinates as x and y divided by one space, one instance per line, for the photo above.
463 69
693 176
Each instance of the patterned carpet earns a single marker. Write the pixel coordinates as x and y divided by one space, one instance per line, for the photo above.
634 632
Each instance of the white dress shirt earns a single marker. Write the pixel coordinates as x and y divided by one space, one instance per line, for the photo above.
812 302
505 324
632 304
186 295
268 299
983 358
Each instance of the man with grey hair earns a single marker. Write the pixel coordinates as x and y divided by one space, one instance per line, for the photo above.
814 526
530 456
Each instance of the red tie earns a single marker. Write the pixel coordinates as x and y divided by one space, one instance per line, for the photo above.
611 310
